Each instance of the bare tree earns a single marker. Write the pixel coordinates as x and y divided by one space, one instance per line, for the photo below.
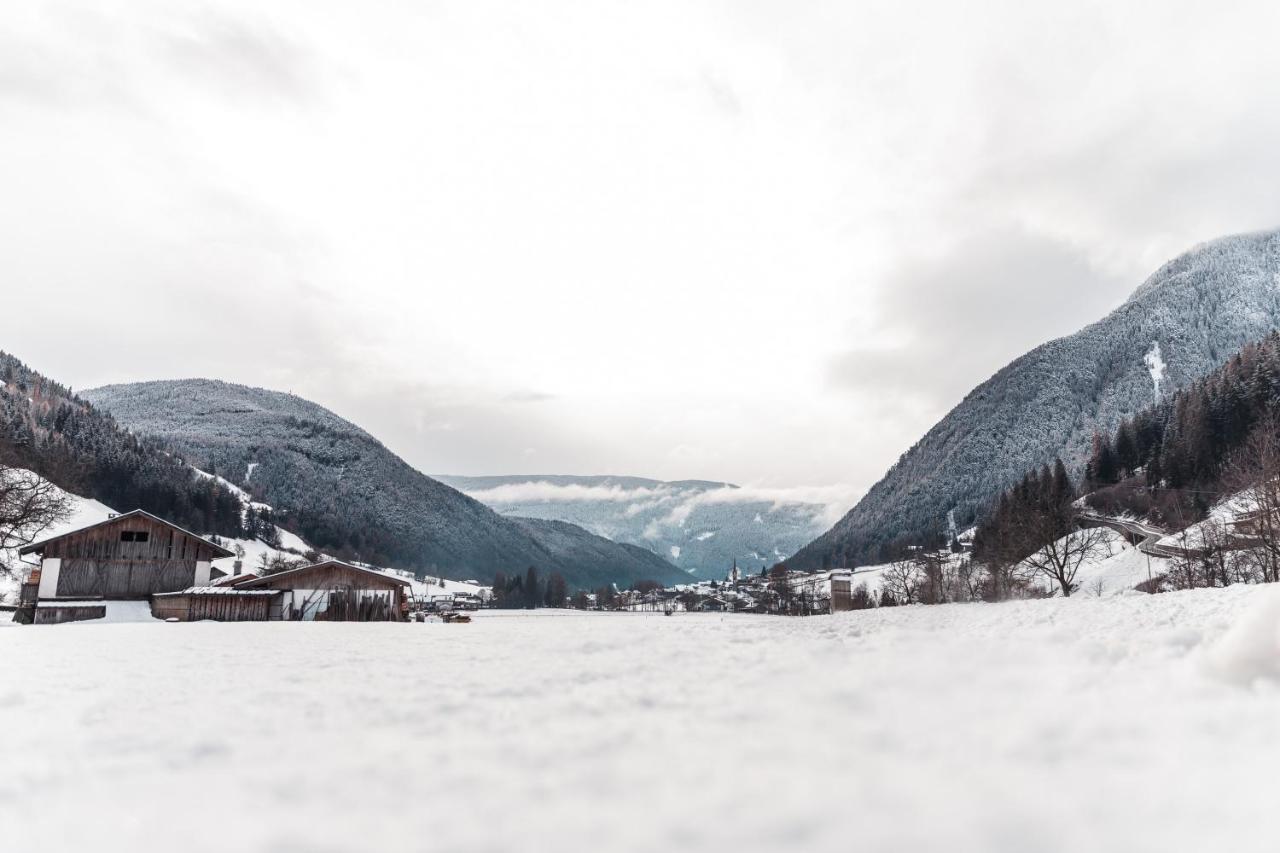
1003 578
270 564
1212 558
903 580
934 570
1253 472
29 505
972 579
780 583
1061 558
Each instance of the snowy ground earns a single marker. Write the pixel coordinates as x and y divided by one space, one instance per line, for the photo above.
1133 723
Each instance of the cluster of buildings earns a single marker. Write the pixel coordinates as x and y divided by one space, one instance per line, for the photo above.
140 557
137 556
777 592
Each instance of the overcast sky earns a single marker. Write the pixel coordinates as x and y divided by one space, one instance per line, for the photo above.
763 242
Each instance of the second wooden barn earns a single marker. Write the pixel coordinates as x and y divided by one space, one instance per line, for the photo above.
333 591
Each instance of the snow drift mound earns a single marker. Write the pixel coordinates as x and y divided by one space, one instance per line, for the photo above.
1250 650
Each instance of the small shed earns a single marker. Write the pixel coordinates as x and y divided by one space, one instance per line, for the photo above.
841 590
334 591
221 604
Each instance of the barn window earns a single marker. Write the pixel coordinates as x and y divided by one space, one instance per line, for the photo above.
134 535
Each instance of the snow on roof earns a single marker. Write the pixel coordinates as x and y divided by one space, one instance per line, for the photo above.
218 590
234 580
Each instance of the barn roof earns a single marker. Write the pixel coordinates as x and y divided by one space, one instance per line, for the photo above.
36 547
229 581
390 579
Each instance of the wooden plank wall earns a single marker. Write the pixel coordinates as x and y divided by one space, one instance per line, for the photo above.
329 576
98 561
104 543
124 579
220 608
57 615
351 583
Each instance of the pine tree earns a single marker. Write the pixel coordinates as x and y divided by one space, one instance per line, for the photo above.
532 591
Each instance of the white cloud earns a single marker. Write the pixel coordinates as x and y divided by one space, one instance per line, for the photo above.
536 491
756 242
829 502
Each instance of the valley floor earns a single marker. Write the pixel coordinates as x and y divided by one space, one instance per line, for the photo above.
1135 723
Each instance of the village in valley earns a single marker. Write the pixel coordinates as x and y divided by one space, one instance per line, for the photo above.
136 557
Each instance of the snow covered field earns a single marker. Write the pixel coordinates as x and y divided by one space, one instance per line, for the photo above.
1133 723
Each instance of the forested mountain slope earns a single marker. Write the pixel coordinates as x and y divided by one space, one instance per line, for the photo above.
1189 317
68 441
701 526
579 548
343 491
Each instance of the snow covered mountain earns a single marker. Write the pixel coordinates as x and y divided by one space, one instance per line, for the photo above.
1184 321
701 526
344 492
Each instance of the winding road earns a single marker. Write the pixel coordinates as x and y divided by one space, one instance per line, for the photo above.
1145 536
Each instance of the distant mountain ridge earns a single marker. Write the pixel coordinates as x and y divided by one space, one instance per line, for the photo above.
1183 322
344 492
702 526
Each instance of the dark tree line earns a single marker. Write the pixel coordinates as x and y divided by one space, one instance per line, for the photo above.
1169 462
1180 449
47 429
529 591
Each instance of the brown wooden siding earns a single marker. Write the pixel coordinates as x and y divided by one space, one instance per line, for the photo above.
226 607
123 579
327 576
344 585
104 542
99 560
58 615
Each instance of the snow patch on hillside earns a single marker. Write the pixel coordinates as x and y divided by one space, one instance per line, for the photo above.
244 496
1118 570
1154 361
1221 515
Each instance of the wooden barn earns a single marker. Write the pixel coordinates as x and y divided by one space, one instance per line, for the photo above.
334 591
130 556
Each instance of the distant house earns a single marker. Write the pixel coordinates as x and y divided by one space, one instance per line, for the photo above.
841 590
333 591
129 556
